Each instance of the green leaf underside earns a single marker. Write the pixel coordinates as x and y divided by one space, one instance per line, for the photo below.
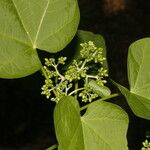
103 126
107 124
138 96
26 25
139 67
68 125
139 105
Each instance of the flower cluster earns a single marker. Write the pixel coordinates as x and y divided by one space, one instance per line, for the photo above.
75 80
76 71
55 83
90 52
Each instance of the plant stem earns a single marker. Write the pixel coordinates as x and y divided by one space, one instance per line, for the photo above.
92 76
102 99
75 91
58 73
83 65
44 73
52 147
76 87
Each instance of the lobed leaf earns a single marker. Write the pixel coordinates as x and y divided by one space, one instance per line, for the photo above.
27 25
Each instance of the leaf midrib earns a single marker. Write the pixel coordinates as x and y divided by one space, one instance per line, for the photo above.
41 22
75 133
39 27
59 28
140 66
22 23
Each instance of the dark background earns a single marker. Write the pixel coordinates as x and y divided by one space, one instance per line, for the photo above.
26 121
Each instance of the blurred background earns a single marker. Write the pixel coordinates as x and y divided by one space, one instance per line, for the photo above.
26 117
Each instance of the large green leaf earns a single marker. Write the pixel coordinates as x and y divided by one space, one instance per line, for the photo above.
103 127
68 124
138 96
27 25
139 67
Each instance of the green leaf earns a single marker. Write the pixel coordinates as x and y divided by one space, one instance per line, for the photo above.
138 96
99 89
68 125
139 105
102 127
105 127
27 25
139 67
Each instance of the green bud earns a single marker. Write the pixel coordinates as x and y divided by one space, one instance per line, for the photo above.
62 60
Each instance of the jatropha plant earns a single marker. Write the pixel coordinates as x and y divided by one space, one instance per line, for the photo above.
30 25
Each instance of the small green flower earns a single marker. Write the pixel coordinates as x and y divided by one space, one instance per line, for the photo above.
103 72
146 145
62 60
49 62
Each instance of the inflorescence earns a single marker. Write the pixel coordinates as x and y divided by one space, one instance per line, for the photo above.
75 80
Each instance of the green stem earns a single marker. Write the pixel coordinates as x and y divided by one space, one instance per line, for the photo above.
92 76
102 99
75 91
83 65
52 147
44 73
60 75
76 87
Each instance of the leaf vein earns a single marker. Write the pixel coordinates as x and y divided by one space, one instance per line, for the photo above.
22 22
41 22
